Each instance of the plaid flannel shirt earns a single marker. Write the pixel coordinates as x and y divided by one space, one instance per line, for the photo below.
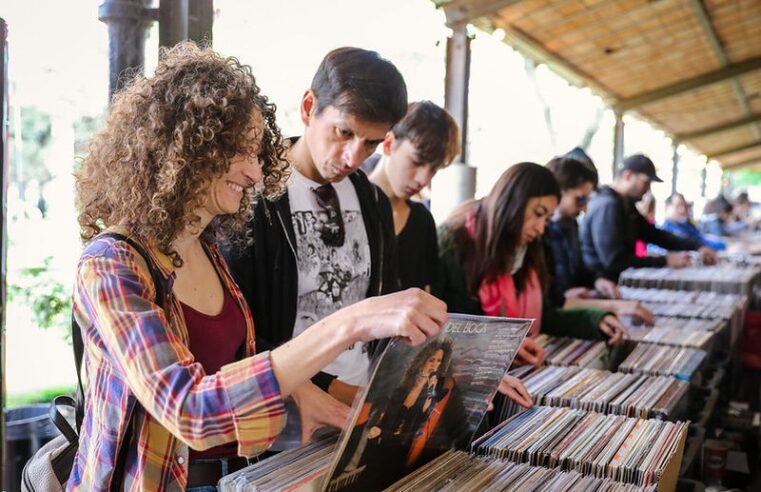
140 372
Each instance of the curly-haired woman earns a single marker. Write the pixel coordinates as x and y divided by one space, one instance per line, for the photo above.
176 391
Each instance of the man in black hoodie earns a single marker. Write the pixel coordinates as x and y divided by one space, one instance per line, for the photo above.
329 241
613 224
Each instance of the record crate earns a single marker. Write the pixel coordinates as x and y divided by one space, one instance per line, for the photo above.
719 339
689 372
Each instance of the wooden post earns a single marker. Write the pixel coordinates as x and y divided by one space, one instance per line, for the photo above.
456 183
457 83
674 166
618 143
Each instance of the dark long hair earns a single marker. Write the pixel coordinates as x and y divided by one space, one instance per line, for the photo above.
499 220
445 345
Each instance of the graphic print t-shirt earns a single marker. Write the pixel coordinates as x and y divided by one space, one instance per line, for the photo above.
330 278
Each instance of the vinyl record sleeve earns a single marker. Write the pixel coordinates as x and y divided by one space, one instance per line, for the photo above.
422 401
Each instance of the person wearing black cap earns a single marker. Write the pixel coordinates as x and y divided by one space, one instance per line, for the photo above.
613 224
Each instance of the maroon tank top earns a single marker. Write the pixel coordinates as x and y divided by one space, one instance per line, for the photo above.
216 341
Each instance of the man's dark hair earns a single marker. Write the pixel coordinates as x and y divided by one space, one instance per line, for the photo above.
579 154
742 198
432 131
717 206
361 83
571 172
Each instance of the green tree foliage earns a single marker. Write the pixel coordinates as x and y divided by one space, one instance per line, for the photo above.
46 296
84 129
36 135
745 178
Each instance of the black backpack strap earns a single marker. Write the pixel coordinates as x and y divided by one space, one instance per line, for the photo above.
64 460
79 349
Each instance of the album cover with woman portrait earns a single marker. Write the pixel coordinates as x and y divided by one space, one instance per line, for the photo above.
422 401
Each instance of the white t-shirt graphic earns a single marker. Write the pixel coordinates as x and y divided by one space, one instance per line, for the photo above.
329 277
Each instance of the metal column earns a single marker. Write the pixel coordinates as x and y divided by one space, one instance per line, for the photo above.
128 22
185 19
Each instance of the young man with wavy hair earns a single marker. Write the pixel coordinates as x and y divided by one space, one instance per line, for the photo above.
424 141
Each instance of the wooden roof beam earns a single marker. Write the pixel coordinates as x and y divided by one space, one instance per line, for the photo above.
753 118
732 150
713 39
738 165
705 22
460 12
535 51
684 86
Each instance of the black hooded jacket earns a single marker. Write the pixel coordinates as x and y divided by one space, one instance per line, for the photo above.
609 231
267 273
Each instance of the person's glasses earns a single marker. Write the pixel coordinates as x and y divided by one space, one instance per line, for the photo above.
582 200
332 232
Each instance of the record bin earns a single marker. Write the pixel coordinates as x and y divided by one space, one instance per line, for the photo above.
693 378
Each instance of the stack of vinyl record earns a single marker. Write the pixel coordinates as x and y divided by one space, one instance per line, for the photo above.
689 310
662 335
661 360
560 351
455 471
621 448
289 470
687 324
725 278
729 308
632 395
682 296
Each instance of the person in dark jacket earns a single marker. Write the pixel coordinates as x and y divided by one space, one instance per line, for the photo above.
577 181
328 242
613 224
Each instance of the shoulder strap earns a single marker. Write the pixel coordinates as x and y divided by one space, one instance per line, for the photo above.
76 331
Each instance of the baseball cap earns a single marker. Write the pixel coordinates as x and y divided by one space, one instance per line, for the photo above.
640 163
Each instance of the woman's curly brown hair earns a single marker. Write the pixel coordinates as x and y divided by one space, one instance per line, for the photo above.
167 138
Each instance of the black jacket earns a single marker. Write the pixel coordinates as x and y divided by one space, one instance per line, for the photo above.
609 231
562 251
267 274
